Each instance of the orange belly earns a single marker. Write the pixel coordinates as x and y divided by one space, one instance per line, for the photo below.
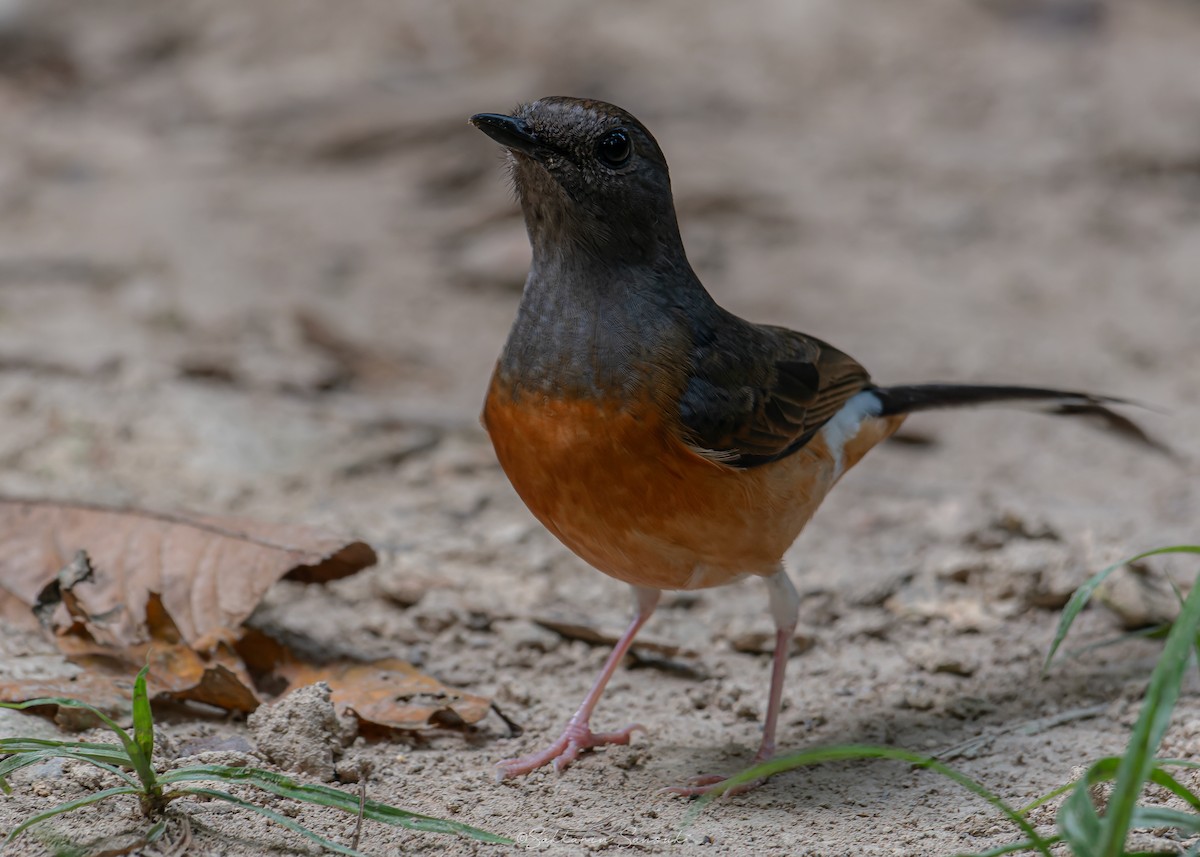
617 486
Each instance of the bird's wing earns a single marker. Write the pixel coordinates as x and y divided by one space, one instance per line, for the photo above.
764 396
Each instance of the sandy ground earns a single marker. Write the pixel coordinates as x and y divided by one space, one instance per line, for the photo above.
253 260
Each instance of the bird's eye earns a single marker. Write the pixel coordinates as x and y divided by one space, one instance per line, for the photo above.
614 148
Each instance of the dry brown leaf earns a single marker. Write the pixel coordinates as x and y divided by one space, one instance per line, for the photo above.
141 588
217 678
39 676
391 694
384 694
105 680
210 572
118 589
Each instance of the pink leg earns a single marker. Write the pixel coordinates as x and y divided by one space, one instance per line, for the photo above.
578 736
783 643
784 606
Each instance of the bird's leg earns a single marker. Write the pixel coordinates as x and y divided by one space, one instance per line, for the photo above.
578 736
785 608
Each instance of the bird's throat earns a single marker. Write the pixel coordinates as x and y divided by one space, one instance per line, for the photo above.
582 331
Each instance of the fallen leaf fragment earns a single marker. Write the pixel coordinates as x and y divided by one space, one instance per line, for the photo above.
210 572
119 589
384 694
105 681
216 678
391 694
58 591
39 676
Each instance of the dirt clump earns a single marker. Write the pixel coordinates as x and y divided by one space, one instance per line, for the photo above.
302 732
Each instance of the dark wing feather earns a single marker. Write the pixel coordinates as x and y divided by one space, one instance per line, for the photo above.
758 393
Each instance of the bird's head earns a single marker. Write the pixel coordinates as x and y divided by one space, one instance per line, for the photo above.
590 178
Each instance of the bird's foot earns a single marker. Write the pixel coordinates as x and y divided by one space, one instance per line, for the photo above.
576 738
702 785
698 786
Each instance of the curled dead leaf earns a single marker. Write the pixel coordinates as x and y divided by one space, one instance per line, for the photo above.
391 694
149 589
173 593
101 684
210 572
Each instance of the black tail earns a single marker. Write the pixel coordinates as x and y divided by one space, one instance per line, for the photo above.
927 397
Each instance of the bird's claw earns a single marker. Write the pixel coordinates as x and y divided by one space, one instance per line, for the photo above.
702 785
706 783
576 738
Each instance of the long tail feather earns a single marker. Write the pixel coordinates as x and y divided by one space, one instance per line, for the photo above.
926 397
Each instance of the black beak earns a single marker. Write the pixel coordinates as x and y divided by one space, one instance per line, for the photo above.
507 131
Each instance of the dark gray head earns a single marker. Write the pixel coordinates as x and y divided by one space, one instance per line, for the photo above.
590 178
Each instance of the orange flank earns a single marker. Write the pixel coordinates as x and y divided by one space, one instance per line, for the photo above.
616 484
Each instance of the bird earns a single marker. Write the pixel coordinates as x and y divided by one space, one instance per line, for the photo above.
664 440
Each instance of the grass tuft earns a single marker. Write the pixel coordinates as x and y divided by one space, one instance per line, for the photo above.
131 761
1085 829
1083 594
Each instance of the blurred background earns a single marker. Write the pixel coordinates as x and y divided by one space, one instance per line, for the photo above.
254 260
250 247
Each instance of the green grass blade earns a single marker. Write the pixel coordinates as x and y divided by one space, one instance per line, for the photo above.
281 820
850 752
109 755
1105 769
1101 770
141 763
1163 816
1138 760
1180 598
14 763
1078 821
22 760
65 702
322 795
1161 778
156 831
1047 797
26 743
1083 594
104 766
143 718
5 743
1176 763
1013 848
1154 632
94 797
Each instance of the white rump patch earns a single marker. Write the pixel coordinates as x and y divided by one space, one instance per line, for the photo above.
845 424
